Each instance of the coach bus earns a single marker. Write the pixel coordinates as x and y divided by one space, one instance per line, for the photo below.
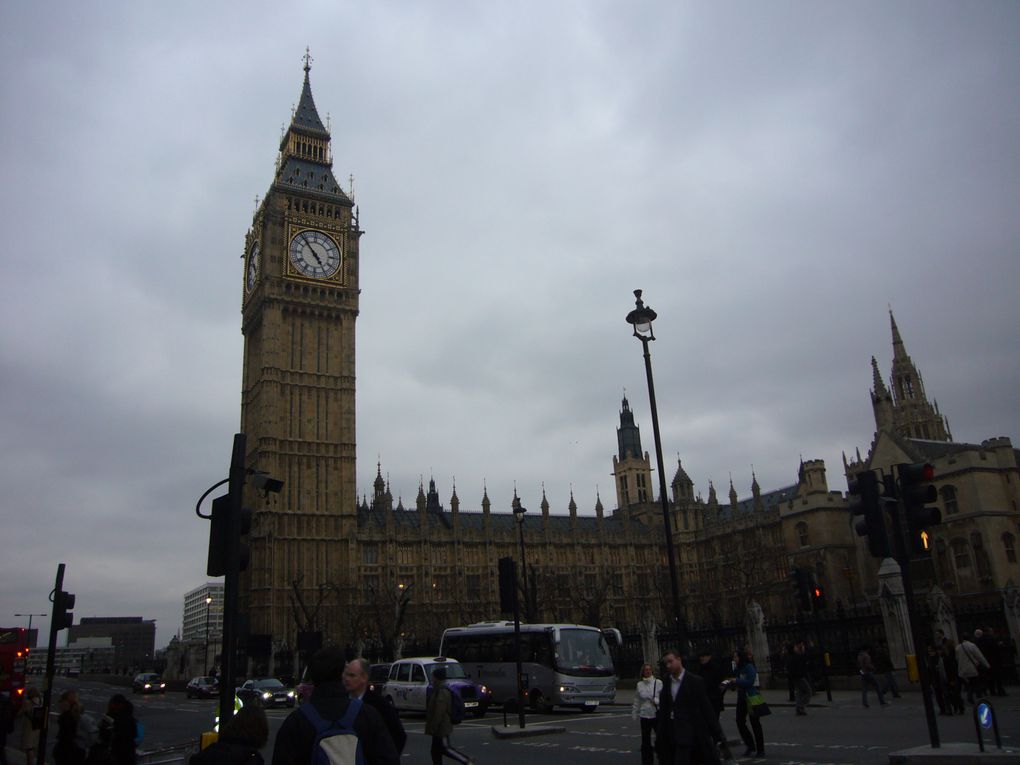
565 665
13 662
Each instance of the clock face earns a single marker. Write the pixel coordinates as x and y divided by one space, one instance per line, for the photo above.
252 271
314 254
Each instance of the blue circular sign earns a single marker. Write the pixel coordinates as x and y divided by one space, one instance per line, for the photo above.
984 714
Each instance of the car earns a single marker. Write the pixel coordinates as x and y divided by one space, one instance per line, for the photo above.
202 688
410 682
148 682
267 692
377 676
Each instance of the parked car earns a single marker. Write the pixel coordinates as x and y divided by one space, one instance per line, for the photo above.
202 688
410 682
267 691
148 682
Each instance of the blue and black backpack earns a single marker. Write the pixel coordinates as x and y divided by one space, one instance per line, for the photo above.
336 742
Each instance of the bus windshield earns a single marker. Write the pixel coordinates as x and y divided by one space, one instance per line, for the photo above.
583 652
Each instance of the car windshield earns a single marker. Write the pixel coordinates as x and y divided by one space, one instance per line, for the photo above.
583 652
205 680
272 683
453 671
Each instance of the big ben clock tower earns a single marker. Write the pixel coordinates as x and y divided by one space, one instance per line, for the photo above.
300 303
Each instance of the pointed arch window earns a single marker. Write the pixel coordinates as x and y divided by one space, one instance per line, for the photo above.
949 500
802 534
961 554
1009 546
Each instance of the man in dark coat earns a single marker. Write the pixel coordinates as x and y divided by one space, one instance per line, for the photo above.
296 737
708 669
688 728
356 683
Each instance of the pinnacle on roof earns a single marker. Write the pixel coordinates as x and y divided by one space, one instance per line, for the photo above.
306 116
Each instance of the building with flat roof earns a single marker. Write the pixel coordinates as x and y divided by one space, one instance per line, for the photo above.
203 612
133 639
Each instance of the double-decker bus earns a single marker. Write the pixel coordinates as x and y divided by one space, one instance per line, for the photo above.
13 662
563 664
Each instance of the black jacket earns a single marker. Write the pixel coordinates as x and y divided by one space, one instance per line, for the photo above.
228 752
689 721
296 736
390 718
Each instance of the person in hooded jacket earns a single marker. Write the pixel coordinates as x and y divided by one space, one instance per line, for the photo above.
240 740
646 708
118 731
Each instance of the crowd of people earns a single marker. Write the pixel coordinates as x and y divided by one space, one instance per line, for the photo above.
679 712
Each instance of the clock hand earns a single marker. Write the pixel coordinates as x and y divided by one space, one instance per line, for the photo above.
312 250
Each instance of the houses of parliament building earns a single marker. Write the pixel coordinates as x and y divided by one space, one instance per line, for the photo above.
361 570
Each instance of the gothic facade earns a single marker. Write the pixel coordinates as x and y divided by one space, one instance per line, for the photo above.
321 561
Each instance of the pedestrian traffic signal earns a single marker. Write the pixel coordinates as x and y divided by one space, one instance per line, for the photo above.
818 597
916 492
62 603
866 512
800 578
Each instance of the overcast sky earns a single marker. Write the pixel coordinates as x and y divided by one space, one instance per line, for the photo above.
773 175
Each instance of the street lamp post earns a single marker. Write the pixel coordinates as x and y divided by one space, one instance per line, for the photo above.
29 622
641 319
208 602
519 518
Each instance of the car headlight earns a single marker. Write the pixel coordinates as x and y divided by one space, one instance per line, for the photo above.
148 685
266 695
567 689
485 691
290 694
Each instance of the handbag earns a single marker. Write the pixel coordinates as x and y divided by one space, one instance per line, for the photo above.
756 705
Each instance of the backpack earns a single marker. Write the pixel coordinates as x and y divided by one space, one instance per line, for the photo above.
87 733
457 711
336 742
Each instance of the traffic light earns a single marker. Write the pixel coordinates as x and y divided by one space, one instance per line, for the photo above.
507 585
818 597
63 602
219 536
243 551
916 492
867 509
800 579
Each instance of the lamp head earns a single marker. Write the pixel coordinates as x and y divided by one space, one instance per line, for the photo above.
641 319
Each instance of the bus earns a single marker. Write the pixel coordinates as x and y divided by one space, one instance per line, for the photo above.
13 662
567 665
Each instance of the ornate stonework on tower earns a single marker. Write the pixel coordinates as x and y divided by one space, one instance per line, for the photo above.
299 305
631 468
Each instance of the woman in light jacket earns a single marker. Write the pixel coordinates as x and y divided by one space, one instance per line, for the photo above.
746 680
645 709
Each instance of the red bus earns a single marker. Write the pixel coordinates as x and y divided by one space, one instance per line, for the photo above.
13 661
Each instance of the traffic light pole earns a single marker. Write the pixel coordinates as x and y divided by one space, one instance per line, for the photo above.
230 581
55 627
900 534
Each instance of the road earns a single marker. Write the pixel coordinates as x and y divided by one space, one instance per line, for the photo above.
840 733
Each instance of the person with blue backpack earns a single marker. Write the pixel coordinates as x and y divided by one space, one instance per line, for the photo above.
330 728
445 708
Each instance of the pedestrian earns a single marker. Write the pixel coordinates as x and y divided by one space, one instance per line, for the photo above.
66 749
797 669
954 684
356 684
970 662
438 722
866 668
28 722
708 669
746 680
240 739
118 732
992 649
329 702
687 728
646 709
6 723
884 667
937 678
